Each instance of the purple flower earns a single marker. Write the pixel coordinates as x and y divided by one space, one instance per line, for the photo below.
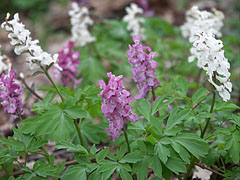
116 104
143 67
68 61
10 94
81 1
144 4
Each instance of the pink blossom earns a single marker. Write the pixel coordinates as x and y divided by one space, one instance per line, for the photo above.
10 94
143 67
116 104
69 61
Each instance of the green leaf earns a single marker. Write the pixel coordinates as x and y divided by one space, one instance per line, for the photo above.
225 105
145 109
55 122
101 155
193 143
71 147
182 84
132 157
175 165
75 173
236 119
182 152
125 175
176 117
76 112
199 95
156 103
157 166
162 152
142 169
234 149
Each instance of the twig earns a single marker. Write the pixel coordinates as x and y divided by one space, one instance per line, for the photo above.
31 90
212 170
196 105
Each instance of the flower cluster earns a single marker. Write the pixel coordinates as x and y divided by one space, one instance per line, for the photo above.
10 94
134 20
80 21
210 55
143 67
69 61
20 38
116 104
202 21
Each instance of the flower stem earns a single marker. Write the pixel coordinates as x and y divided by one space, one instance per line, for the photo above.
202 135
52 82
126 138
79 132
211 110
31 90
154 98
198 79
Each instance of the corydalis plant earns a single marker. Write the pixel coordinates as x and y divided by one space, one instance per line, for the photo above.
144 4
10 94
80 21
20 38
134 20
116 104
5 65
210 55
202 21
143 67
69 61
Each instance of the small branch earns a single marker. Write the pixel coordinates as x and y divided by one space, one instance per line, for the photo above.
126 137
196 105
31 90
209 169
79 132
154 98
5 170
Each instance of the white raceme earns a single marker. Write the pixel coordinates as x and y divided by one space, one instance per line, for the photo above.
202 21
210 56
20 38
134 20
80 21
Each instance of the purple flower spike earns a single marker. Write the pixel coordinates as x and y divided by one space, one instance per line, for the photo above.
69 61
116 104
143 67
10 94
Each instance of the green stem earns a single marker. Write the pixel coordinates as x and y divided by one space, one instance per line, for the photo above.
126 138
46 153
211 110
52 82
190 168
79 132
154 98
202 135
5 170
26 158
198 79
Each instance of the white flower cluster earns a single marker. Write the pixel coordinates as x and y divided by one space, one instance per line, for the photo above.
210 55
134 20
202 21
20 38
5 65
80 21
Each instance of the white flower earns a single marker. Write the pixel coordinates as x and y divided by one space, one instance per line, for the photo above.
80 21
210 56
134 20
20 38
202 21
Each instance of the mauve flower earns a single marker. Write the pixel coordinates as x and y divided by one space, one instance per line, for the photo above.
116 104
144 4
68 61
10 94
143 67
